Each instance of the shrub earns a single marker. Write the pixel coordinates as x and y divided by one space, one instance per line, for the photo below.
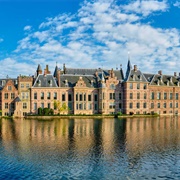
40 111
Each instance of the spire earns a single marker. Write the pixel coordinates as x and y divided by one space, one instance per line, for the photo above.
56 70
39 70
103 80
129 67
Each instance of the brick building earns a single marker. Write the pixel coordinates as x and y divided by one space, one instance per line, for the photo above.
91 91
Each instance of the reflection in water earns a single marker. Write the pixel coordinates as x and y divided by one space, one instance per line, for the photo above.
129 148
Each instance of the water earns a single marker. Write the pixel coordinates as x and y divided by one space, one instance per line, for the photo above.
138 148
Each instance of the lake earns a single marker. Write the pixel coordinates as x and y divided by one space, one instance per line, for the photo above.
131 148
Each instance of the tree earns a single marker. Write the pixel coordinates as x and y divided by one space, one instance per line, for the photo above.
60 107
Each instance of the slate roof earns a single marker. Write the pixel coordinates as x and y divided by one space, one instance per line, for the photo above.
80 71
45 81
136 76
71 80
164 80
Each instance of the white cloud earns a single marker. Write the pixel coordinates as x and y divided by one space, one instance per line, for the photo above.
177 4
101 34
146 7
27 28
1 40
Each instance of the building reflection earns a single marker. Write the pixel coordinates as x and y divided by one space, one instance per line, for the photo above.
94 137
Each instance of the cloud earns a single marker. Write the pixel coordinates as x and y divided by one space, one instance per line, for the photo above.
1 40
145 7
27 28
177 4
100 34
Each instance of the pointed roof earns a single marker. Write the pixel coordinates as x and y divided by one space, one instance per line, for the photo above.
129 68
39 68
55 71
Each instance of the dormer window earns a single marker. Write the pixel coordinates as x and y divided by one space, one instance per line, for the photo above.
39 82
66 83
92 83
133 76
50 82
140 77
167 83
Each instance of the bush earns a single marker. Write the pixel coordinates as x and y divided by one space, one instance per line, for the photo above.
119 113
40 111
131 113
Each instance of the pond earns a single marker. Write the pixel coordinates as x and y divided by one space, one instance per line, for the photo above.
131 148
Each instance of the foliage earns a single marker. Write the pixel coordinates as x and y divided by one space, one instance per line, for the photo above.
60 107
40 111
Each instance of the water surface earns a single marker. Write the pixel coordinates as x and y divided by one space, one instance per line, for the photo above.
132 148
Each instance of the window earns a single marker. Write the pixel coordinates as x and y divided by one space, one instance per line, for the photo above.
152 105
89 97
69 97
103 95
9 88
35 95
171 96
131 95
138 85
27 95
120 105
171 105
80 97
49 105
12 95
165 95
112 86
130 105
70 105
76 96
130 86
84 97
27 86
35 106
164 105
89 106
23 95
111 95
6 96
111 105
6 105
138 105
77 106
42 95
176 105
158 95
120 96
42 105
48 95
152 95
55 95
144 105
145 96
95 97
138 95
63 97
158 105
24 105
145 86
177 96
95 106
22 85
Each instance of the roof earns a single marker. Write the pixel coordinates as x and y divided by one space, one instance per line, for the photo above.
45 81
71 80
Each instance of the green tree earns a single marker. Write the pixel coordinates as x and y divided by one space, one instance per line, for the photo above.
60 107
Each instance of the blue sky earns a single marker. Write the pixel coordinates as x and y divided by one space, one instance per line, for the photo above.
89 34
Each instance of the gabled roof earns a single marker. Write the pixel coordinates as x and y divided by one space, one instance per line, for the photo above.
45 81
71 80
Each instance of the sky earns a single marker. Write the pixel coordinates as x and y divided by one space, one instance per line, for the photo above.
89 34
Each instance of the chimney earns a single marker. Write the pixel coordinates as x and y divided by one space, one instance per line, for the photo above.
175 74
160 72
135 68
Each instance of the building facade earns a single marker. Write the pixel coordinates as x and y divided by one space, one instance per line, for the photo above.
91 91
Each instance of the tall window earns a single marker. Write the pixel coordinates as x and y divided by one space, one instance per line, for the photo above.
27 85
152 95
23 95
89 97
95 97
138 85
24 105
138 105
144 105
171 96
6 105
111 105
42 95
145 86
130 86
6 96
176 105
55 95
80 97
85 97
130 105
63 97
69 97
158 105
49 105
177 96
35 106
111 95
152 105
131 95
138 95
9 88
22 85
12 95
120 96
42 105
165 95
164 105
35 95
170 105
145 96
48 95
76 96
158 95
